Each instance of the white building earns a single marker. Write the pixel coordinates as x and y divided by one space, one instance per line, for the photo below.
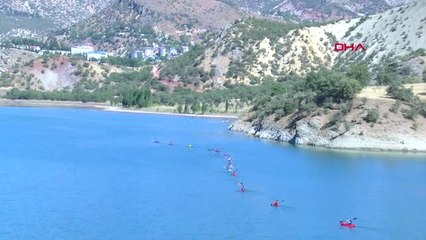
163 51
98 55
173 51
149 52
82 50
185 49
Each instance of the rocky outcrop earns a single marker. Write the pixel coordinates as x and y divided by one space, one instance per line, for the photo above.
306 132
312 131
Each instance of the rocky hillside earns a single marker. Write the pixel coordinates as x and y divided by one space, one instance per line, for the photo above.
317 10
253 49
170 16
25 70
391 131
60 13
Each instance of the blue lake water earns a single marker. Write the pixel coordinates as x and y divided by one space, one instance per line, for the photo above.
84 174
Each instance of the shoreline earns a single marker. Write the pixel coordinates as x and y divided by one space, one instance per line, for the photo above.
304 136
392 148
101 106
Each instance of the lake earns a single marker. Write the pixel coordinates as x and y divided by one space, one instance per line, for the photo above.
84 174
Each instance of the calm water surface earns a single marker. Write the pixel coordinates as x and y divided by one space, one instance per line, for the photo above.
83 174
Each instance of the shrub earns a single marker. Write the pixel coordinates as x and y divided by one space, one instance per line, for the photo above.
372 116
336 119
398 91
395 107
411 114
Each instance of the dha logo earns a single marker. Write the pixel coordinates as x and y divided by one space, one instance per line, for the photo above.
342 47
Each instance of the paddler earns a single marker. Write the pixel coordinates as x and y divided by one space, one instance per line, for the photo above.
275 203
243 188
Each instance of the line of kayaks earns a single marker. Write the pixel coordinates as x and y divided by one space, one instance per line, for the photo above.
276 203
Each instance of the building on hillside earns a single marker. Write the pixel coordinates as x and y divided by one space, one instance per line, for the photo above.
149 52
185 49
163 51
173 52
34 48
136 54
81 50
97 55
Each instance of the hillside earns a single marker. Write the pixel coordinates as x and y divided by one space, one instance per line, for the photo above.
25 70
332 109
59 13
316 10
168 16
392 130
253 49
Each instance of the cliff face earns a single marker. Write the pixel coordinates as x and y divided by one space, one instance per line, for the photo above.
392 132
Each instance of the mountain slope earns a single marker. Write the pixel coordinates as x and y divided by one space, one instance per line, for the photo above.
317 10
169 16
253 49
61 13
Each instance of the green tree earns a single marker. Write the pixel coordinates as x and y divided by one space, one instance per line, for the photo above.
195 107
186 108
360 72
203 108
179 108
398 91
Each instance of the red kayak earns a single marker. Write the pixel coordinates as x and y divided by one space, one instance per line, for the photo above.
275 204
348 225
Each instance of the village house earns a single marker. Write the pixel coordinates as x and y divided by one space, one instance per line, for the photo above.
81 50
185 49
97 55
149 52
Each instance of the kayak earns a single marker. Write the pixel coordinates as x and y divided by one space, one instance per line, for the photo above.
275 204
346 224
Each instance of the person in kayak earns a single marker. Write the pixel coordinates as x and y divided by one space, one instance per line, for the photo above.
230 170
243 188
275 203
348 221
234 173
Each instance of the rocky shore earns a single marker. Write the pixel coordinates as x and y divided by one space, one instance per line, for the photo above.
391 133
306 133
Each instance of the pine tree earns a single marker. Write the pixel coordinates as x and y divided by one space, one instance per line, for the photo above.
186 108
195 106
203 108
179 108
